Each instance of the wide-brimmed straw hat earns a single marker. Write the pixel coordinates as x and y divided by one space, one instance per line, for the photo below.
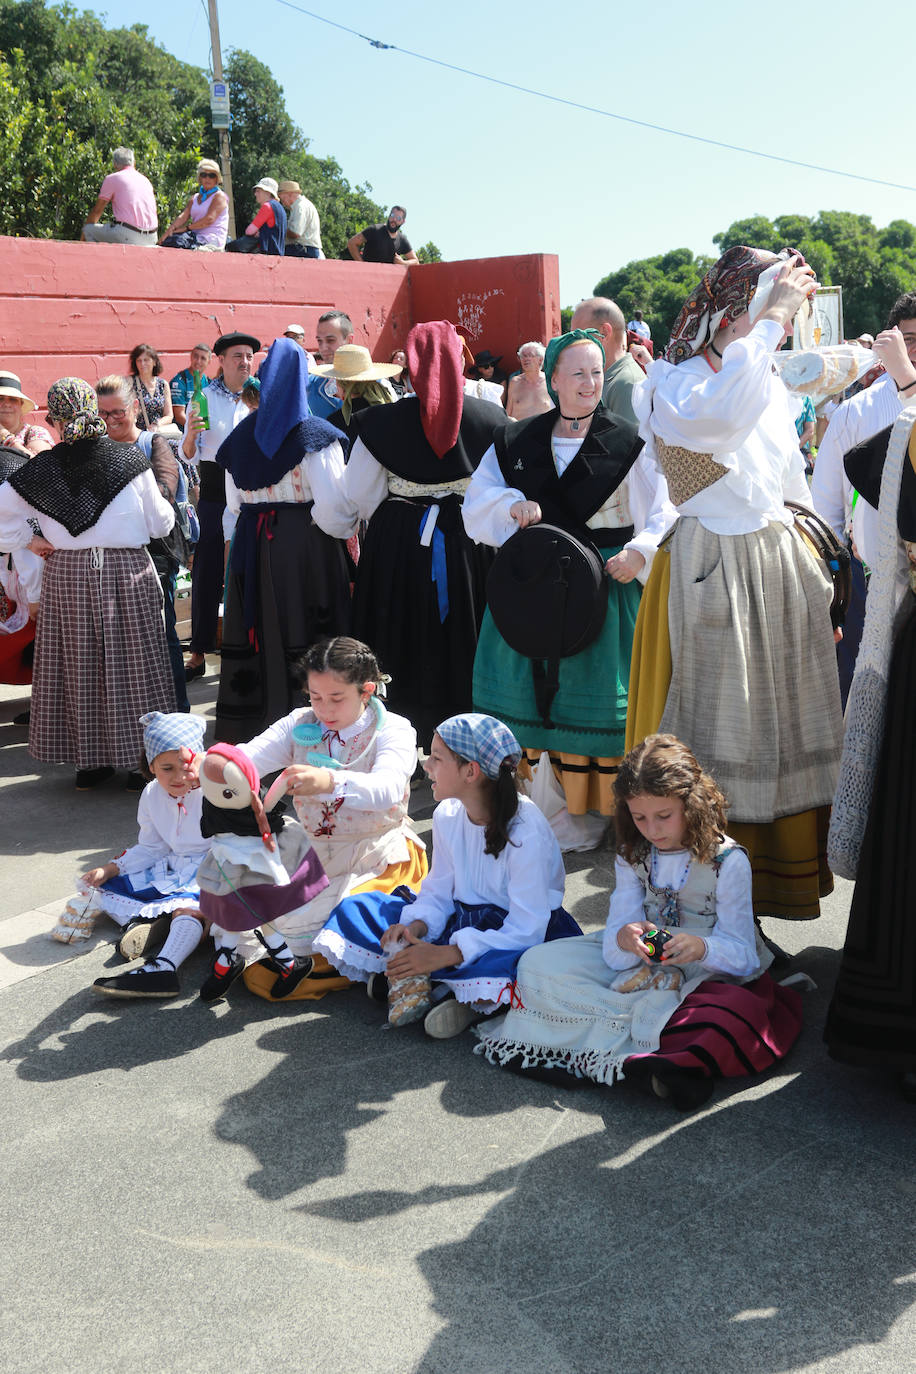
10 385
353 363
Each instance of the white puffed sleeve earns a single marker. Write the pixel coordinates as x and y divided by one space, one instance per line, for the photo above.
487 502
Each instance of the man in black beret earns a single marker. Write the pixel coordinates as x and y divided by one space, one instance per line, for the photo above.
226 408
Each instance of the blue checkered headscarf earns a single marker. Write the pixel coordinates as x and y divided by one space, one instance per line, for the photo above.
162 732
481 738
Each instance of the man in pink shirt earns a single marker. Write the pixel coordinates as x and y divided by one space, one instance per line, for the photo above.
133 206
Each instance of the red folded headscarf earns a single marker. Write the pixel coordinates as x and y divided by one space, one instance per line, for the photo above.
435 357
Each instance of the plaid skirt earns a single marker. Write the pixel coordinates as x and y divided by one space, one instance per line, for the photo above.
101 660
754 688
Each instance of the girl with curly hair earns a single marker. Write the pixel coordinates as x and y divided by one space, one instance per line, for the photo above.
674 992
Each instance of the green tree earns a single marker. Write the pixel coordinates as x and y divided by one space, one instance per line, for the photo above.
657 286
71 90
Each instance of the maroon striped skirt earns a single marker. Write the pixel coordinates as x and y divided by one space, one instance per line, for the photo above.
727 1030
101 660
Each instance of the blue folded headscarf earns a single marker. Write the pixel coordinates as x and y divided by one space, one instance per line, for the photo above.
265 446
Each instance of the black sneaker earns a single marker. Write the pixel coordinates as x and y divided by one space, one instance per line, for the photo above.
288 979
135 782
140 982
220 980
377 988
87 778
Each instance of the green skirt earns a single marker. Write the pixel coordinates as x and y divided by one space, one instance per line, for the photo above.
589 712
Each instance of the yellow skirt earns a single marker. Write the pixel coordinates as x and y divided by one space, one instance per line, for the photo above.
588 783
324 978
788 856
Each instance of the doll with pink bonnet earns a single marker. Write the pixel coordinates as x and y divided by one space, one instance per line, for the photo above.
260 867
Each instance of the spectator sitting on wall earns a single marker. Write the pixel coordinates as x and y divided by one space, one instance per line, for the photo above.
182 384
335 328
204 221
383 242
303 227
133 206
267 231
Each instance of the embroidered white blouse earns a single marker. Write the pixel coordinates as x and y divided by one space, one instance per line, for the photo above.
730 946
317 478
641 500
741 415
527 879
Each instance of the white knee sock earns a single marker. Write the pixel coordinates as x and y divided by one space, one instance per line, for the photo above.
278 947
184 936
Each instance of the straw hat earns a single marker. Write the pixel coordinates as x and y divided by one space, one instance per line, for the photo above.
353 363
290 186
10 385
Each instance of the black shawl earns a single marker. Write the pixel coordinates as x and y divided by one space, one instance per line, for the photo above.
73 483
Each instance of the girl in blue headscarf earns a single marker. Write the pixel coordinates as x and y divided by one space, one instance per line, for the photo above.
288 579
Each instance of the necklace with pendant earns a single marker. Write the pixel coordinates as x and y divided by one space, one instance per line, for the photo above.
670 912
575 421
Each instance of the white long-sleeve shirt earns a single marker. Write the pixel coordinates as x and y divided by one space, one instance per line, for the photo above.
317 478
641 500
731 944
527 879
384 787
136 515
741 416
861 417
168 831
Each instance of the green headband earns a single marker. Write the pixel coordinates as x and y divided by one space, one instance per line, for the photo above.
556 346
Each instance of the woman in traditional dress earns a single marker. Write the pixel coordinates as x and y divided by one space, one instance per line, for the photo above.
420 589
288 584
581 468
872 1017
101 660
734 649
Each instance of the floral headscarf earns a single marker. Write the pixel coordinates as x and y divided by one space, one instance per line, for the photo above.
73 410
556 346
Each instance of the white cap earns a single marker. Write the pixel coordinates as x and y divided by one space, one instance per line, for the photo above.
294 329
268 184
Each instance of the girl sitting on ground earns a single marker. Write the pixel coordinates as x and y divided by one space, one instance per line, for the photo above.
495 887
603 1008
347 764
151 890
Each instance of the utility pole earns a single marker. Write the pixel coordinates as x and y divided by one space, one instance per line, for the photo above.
222 128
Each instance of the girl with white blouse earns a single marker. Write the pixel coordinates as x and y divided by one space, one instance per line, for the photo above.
495 887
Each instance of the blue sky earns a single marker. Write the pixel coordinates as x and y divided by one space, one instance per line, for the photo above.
485 171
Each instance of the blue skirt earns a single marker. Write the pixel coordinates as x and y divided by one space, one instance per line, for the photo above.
122 902
351 941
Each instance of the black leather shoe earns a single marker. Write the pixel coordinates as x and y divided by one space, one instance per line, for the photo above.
198 670
87 778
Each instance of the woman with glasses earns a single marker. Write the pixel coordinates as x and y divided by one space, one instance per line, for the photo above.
204 221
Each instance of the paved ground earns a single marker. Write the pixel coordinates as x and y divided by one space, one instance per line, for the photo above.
299 1189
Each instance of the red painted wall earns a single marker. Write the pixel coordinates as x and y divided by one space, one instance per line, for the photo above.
500 302
78 309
